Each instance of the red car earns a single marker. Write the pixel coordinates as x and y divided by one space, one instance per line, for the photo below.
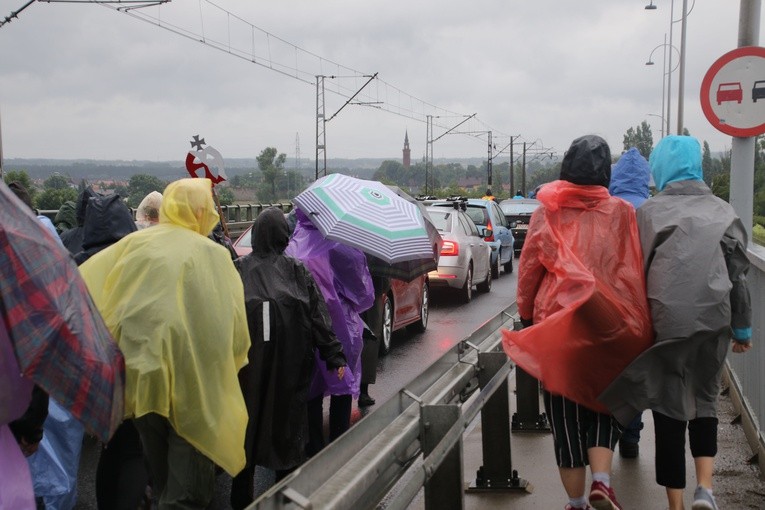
405 304
730 92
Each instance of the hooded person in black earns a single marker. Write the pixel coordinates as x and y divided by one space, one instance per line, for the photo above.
107 220
287 319
72 238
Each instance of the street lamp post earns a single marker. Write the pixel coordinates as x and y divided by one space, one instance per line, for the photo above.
681 79
665 72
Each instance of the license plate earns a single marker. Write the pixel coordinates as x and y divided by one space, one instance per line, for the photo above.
521 227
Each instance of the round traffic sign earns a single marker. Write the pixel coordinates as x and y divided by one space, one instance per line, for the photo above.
733 92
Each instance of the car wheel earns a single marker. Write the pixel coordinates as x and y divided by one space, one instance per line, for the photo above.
466 292
495 267
509 266
485 286
422 323
387 325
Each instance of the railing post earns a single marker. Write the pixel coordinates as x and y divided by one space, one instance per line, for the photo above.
496 473
443 489
527 417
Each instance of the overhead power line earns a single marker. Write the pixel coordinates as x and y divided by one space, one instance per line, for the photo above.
228 32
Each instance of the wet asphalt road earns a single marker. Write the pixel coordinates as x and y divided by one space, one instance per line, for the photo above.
450 321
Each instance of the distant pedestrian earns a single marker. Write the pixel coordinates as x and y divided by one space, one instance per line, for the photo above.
147 214
696 263
489 195
630 177
581 296
289 322
518 194
175 304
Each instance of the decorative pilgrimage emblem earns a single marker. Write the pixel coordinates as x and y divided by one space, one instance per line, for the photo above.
207 158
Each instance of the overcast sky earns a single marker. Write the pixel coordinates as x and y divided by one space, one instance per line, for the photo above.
85 81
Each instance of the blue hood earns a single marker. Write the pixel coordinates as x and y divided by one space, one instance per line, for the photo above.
630 177
676 158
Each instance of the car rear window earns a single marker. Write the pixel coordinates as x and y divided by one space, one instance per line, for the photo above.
511 209
478 214
441 219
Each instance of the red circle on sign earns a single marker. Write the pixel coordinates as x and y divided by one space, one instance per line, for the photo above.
706 85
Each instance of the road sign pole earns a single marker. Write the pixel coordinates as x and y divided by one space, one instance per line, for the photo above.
742 153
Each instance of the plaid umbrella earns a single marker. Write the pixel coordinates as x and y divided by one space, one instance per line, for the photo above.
59 338
369 216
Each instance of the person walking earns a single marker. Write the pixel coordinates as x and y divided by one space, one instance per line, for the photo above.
174 302
630 178
342 275
288 320
581 296
695 248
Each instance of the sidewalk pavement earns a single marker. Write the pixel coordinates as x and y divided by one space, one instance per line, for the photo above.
737 483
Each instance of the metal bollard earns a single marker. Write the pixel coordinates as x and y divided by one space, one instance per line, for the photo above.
443 490
497 473
527 418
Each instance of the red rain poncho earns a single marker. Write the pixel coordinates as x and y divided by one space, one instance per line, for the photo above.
581 280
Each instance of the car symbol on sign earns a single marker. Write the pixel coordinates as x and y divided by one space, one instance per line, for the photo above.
730 92
758 90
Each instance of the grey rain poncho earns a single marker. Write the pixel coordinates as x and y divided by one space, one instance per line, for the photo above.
694 248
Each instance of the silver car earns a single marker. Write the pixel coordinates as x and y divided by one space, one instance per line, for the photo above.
465 256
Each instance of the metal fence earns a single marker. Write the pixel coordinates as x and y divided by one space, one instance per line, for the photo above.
414 440
746 372
238 216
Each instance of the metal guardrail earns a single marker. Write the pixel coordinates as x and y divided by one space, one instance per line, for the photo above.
238 216
745 374
414 440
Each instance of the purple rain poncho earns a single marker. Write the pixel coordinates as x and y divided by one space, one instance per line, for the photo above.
15 394
343 277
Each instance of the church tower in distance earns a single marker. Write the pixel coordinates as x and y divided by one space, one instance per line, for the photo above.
407 152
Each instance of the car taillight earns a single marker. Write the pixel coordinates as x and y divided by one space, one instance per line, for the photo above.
491 237
450 248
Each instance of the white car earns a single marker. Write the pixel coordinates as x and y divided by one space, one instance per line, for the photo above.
465 256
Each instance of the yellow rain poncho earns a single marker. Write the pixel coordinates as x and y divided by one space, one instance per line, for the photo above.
175 304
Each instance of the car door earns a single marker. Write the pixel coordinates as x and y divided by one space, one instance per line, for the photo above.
480 251
502 231
406 296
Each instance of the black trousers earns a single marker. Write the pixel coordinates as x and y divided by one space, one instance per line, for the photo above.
339 420
670 446
122 474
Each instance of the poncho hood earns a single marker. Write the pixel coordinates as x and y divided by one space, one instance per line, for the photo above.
107 220
587 161
271 232
147 213
82 203
630 178
676 158
188 203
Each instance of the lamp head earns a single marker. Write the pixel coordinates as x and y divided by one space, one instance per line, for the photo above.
649 63
650 6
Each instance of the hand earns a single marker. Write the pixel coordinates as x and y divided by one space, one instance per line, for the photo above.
28 449
341 373
739 347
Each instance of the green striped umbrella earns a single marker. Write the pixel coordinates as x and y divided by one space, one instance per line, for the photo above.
367 215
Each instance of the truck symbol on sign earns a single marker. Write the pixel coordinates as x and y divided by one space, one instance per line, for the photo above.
730 92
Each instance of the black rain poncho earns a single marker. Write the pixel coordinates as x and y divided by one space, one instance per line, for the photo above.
288 319
107 220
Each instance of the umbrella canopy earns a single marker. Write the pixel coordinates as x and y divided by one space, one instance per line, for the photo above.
59 338
367 215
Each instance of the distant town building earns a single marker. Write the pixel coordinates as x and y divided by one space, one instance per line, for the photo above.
407 152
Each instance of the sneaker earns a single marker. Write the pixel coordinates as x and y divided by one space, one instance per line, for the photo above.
628 449
603 498
569 507
365 400
703 499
